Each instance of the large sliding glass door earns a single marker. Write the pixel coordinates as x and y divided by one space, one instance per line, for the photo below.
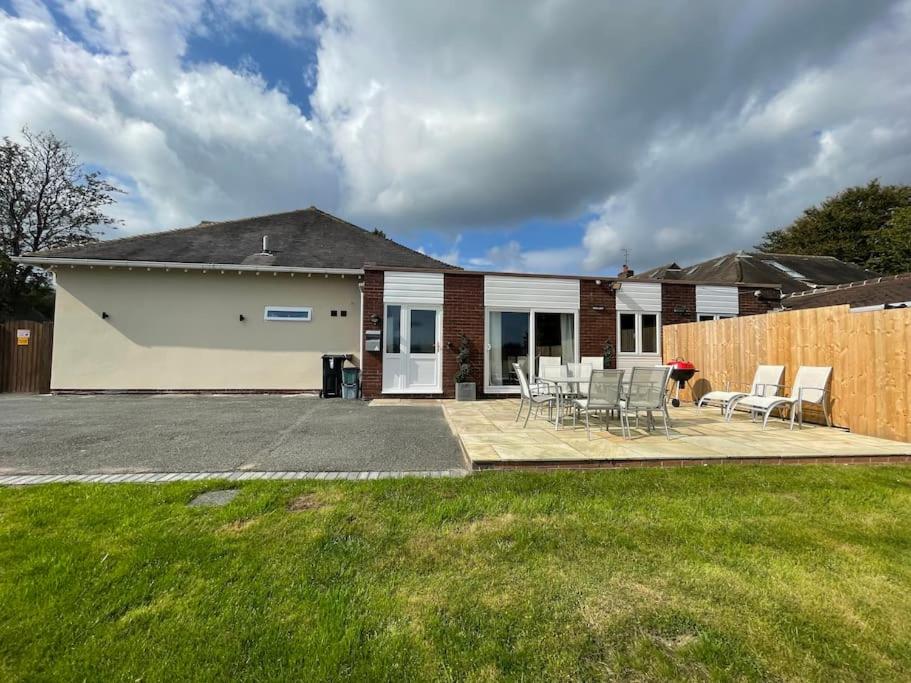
511 334
508 336
555 337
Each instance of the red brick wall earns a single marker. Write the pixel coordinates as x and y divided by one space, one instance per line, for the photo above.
372 363
463 313
752 305
597 327
677 295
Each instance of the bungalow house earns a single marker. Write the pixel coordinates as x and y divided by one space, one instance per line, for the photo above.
252 304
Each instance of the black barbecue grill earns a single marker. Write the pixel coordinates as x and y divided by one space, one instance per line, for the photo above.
682 371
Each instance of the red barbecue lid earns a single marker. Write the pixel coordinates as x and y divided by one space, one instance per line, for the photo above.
680 364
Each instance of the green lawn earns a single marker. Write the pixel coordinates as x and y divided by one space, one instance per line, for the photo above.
719 572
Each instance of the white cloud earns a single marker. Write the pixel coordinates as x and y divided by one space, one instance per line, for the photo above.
512 257
192 142
676 126
452 255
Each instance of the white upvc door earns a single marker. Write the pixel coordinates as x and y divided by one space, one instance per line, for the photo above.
412 349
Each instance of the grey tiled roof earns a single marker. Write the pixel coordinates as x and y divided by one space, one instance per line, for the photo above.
757 266
307 238
885 290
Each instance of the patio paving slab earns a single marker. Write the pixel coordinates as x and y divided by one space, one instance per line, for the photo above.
490 434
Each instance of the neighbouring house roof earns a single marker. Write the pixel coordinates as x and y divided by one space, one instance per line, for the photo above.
892 290
307 238
792 272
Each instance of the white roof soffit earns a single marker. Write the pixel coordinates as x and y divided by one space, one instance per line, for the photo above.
168 265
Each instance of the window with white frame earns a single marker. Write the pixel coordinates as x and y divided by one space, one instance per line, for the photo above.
297 314
638 333
704 317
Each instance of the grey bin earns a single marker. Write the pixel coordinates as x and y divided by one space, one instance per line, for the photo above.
351 383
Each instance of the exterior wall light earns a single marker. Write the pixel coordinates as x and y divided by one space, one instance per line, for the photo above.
681 310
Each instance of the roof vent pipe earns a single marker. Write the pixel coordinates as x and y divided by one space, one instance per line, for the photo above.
266 244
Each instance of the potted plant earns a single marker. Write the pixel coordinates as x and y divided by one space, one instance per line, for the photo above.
608 352
464 386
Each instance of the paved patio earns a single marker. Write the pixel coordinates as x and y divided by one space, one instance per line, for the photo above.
491 437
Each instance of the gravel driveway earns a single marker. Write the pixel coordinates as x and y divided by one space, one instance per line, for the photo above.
89 434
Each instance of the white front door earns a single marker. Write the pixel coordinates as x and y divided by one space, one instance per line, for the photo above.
412 351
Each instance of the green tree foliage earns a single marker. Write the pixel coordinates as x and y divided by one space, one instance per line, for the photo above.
867 225
895 243
47 200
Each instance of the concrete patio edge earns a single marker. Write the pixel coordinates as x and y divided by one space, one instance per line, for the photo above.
691 461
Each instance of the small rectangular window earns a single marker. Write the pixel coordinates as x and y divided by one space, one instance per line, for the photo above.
649 333
393 328
628 332
298 314
703 317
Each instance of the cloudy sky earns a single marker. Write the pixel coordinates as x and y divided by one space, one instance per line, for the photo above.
539 135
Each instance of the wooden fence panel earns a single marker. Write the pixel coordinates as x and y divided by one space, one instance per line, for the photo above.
868 351
26 367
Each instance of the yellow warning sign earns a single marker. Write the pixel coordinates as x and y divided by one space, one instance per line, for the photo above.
22 337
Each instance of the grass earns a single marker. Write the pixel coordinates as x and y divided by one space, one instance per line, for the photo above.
715 573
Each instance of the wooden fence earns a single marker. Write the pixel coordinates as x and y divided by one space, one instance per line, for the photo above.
25 356
868 351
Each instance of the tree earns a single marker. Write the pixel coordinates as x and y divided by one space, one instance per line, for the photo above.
894 243
857 225
47 200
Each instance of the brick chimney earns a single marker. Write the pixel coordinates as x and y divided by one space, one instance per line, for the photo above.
625 271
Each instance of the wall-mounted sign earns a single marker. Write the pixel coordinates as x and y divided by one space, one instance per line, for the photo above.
22 337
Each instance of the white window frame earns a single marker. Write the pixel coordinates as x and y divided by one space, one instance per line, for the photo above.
386 337
713 316
639 351
288 309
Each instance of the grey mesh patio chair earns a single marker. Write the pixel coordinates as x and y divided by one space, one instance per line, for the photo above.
646 391
766 382
534 398
551 371
584 372
811 385
602 395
